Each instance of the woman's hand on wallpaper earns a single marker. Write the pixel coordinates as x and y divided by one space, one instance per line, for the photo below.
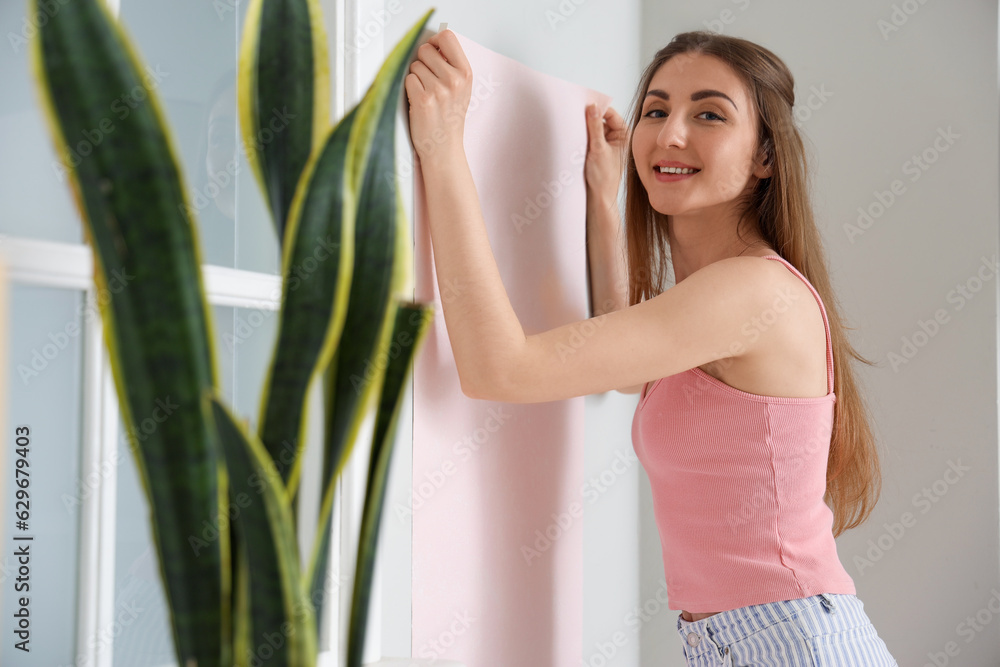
606 144
439 88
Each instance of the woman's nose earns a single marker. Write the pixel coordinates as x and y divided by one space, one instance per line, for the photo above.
672 132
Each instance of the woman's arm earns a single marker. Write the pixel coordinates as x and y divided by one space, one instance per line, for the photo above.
606 141
608 273
481 322
606 251
699 320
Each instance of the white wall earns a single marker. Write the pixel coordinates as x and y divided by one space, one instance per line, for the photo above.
593 44
887 98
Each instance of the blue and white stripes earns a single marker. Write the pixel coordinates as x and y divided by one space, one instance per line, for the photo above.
824 630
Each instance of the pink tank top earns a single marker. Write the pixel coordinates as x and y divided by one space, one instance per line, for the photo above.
738 481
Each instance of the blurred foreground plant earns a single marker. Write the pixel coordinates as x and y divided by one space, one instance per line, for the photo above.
333 197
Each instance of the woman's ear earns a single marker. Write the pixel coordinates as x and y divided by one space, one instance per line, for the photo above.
763 166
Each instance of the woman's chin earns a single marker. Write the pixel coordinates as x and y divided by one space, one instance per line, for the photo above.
664 208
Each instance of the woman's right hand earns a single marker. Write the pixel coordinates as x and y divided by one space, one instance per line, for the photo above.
606 144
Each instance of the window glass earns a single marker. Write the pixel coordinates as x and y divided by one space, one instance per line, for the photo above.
190 46
33 186
189 54
44 379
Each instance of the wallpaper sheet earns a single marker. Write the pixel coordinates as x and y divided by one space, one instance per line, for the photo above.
497 506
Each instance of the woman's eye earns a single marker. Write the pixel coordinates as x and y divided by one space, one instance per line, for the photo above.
712 113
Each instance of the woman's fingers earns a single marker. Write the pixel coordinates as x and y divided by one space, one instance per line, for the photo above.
451 49
615 121
609 129
438 92
428 56
413 86
595 128
615 126
432 64
424 74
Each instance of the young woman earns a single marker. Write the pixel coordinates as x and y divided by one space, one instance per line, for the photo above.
738 425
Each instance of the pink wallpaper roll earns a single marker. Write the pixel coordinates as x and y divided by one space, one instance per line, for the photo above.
497 504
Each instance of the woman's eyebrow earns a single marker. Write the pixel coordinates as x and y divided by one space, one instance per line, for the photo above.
699 95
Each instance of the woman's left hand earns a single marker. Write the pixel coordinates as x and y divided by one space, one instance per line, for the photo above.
439 88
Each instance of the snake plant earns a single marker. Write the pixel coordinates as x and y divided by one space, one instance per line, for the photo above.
330 199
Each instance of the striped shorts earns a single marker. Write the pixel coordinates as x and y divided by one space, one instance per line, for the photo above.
824 630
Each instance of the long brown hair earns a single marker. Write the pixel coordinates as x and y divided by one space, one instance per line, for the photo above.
780 206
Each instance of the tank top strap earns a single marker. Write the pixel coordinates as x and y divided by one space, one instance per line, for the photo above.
826 322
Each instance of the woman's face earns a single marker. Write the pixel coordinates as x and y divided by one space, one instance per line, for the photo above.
710 133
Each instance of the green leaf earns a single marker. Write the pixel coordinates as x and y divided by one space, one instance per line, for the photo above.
380 271
281 616
241 599
317 263
411 324
128 190
283 96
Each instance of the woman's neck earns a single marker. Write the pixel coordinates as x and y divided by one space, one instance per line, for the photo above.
687 260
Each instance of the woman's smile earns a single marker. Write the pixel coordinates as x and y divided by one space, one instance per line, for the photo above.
664 177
